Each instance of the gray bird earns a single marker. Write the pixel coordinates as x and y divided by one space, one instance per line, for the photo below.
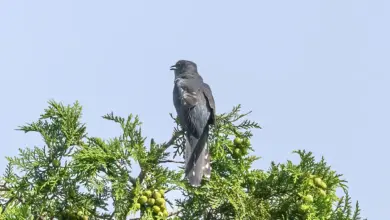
195 108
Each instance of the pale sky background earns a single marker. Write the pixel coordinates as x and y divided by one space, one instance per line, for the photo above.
314 73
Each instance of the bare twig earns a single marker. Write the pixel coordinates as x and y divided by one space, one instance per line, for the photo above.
171 161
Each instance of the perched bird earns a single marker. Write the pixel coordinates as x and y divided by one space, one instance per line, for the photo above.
195 107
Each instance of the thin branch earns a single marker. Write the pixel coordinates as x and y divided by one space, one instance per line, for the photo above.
171 161
169 215
6 204
172 141
174 213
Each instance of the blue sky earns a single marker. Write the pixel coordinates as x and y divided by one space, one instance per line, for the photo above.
314 73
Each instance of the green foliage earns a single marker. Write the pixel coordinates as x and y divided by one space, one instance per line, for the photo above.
76 176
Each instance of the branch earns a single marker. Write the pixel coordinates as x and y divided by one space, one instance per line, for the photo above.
171 161
169 215
172 141
174 213
6 204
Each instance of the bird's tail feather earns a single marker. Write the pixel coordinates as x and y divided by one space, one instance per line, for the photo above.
206 163
197 158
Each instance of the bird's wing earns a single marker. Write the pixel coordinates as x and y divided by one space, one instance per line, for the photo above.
193 108
210 101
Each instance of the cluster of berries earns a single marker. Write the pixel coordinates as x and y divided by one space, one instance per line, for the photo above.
308 199
154 201
240 147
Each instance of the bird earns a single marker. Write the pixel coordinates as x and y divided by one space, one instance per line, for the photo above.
195 107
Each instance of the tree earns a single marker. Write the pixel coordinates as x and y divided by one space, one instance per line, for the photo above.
75 176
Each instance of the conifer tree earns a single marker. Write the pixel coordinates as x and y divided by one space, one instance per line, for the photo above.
75 176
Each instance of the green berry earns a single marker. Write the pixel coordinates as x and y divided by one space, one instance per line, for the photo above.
156 195
237 141
165 213
160 201
148 193
308 198
151 201
162 192
322 192
142 200
318 181
156 209
137 206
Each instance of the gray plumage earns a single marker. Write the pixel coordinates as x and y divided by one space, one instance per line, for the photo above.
195 108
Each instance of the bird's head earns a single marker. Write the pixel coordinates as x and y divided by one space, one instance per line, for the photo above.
184 66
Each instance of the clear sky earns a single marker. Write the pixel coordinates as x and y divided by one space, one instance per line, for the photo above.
314 73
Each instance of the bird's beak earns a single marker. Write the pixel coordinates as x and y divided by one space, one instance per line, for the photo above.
173 67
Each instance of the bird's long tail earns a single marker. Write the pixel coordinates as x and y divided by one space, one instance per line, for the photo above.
197 158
